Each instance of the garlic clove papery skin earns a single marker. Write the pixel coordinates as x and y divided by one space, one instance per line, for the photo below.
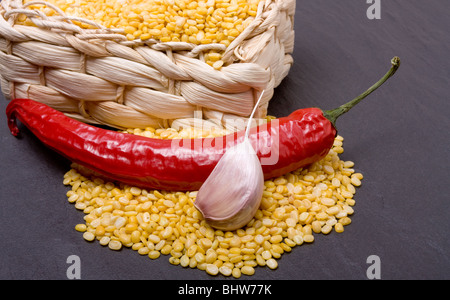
231 195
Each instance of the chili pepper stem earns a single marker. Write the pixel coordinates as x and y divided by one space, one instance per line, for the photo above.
333 114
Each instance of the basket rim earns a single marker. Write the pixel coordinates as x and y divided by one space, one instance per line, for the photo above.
62 23
91 42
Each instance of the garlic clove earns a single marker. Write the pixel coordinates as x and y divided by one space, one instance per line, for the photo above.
231 195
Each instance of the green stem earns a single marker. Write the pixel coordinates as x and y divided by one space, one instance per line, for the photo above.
333 114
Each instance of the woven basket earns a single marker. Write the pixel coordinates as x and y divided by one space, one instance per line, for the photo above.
99 77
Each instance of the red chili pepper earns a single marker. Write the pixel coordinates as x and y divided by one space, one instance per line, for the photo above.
295 141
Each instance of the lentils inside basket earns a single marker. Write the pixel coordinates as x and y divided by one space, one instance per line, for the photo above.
196 22
294 209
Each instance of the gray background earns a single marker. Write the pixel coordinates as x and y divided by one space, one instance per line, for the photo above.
398 138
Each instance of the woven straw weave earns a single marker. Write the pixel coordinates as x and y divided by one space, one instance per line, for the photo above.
98 76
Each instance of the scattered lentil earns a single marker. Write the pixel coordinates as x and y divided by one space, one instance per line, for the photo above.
80 227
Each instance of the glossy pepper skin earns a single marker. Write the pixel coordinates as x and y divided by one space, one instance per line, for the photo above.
295 141
299 139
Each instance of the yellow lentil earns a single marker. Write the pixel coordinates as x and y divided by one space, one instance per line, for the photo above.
174 261
355 181
316 226
308 238
143 251
224 270
247 270
326 229
339 227
295 207
114 245
272 263
80 227
184 261
154 254
236 272
212 269
88 236
104 240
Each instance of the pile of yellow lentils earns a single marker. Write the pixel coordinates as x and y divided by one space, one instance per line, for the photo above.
294 207
196 22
